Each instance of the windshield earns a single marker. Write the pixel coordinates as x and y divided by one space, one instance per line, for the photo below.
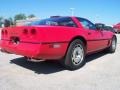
61 21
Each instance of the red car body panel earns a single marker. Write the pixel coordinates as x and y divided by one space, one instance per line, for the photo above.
51 42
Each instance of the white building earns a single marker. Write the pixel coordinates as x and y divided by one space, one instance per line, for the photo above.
27 21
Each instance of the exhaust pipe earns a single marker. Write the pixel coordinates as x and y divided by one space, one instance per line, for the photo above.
4 51
34 60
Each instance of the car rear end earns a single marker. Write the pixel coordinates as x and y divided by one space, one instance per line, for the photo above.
43 39
16 40
38 42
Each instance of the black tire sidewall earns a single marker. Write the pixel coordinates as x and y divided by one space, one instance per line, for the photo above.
68 61
111 50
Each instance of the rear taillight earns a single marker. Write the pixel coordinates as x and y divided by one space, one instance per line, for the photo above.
25 31
29 32
33 31
4 32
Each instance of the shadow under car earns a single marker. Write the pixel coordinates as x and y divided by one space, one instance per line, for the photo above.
48 67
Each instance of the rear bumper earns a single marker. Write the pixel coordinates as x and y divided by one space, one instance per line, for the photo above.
24 49
35 50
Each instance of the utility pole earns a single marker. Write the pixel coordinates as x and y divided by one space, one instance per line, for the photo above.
72 11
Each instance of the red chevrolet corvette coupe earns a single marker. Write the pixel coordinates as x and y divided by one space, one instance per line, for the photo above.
68 39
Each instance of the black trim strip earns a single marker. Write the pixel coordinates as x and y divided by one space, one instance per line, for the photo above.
99 39
54 42
44 42
5 39
31 42
39 42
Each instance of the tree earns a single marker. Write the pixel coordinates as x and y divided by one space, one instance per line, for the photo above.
11 21
0 24
20 17
31 16
1 18
7 23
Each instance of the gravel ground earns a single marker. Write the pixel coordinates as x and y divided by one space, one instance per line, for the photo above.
101 72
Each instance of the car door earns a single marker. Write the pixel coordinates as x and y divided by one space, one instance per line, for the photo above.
94 37
105 38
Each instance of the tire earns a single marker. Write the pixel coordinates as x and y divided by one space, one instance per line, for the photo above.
113 45
75 55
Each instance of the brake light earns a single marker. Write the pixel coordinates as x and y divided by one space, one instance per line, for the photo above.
33 31
2 31
25 31
6 32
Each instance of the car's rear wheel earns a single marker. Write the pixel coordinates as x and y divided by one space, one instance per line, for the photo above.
113 45
75 55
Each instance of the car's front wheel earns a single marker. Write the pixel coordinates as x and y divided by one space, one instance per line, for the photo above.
75 55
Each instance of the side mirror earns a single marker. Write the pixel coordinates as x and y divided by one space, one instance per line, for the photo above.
99 26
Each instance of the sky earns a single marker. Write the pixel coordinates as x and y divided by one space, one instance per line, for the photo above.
97 11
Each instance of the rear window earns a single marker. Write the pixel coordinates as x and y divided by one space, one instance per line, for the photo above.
57 21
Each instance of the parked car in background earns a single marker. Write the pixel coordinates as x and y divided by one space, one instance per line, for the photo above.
117 28
109 28
67 39
100 25
0 33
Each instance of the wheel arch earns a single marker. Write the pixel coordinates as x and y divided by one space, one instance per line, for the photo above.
114 36
77 37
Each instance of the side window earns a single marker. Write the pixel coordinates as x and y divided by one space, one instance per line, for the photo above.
87 24
66 22
55 21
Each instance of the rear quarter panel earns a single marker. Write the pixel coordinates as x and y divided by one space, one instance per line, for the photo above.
59 34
